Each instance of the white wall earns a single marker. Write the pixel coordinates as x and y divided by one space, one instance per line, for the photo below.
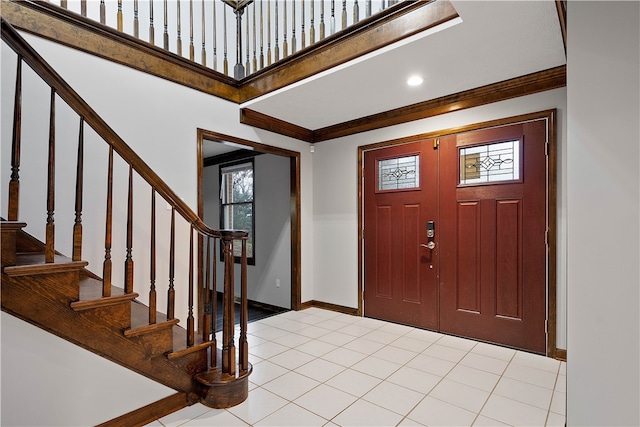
47 381
272 243
603 366
335 195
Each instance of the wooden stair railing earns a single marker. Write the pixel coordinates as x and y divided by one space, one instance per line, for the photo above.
223 380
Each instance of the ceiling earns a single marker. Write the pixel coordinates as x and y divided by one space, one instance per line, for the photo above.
491 41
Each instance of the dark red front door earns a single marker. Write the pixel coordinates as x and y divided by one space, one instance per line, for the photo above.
485 192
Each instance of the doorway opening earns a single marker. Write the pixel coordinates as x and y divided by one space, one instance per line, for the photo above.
277 250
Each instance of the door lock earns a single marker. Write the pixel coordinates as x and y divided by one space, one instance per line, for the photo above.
430 245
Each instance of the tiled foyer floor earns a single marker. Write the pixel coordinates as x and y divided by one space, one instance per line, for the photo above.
321 368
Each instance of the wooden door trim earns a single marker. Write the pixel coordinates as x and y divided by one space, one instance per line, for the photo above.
552 179
294 157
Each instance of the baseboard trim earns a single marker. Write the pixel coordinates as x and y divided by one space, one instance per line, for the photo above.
329 306
561 354
151 412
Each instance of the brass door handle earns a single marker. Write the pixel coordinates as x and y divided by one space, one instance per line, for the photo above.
430 245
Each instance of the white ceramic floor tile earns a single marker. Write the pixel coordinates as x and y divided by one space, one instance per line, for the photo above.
424 335
216 417
331 324
182 416
356 330
382 336
563 368
291 359
433 412
494 351
559 403
316 348
483 421
320 370
291 385
375 367
363 413
270 333
530 394
485 363
411 344
457 342
325 401
336 338
561 384
556 420
536 361
311 319
344 357
445 353
353 382
473 377
292 340
266 371
393 397
292 415
327 314
258 405
397 329
431 364
313 331
513 412
267 349
422 382
531 375
395 354
461 395
365 346
372 323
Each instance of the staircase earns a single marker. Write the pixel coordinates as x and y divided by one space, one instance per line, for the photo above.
61 295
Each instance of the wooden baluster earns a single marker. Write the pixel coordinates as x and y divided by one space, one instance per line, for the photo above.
83 7
152 263
248 63
171 294
165 34
293 29
203 54
225 63
179 42
238 69
276 49
136 21
206 319
152 32
77 226
128 263
321 19
303 36
228 318
255 58
261 37
214 305
106 267
332 24
367 8
192 51
344 14
356 12
49 252
63 4
285 44
242 341
190 319
14 184
103 12
119 19
215 43
312 31
268 32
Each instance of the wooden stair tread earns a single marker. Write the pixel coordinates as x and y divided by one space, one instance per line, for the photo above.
12 225
140 321
28 263
180 343
91 295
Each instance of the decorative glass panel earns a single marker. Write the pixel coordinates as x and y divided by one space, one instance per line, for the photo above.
399 173
490 163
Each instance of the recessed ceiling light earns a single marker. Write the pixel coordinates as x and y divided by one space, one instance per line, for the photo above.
415 80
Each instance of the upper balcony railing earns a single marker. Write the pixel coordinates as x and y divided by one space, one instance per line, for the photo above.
261 32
